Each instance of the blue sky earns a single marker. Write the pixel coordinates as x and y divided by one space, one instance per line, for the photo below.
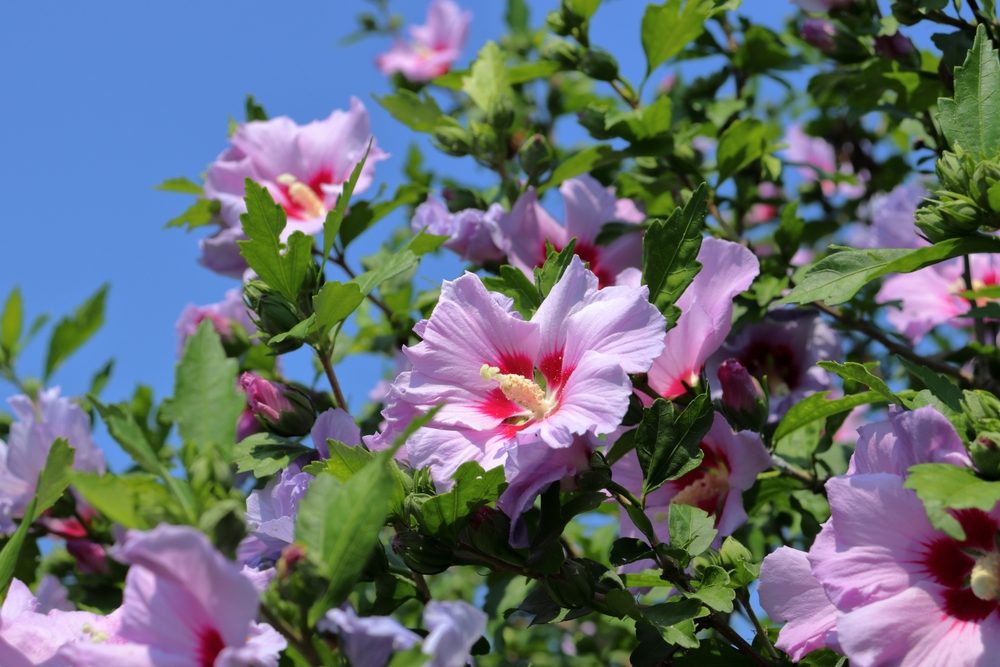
102 102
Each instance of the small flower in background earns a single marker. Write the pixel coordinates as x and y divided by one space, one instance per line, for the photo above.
822 5
817 161
506 382
280 408
472 232
732 461
706 316
370 641
225 316
525 231
434 46
818 33
22 457
271 513
765 211
184 604
303 167
334 424
892 218
783 349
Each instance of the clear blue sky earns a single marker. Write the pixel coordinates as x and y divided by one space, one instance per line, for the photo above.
102 101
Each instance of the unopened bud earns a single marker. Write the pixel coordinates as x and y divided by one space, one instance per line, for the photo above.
743 399
896 47
567 54
536 156
453 139
599 64
425 555
819 33
282 409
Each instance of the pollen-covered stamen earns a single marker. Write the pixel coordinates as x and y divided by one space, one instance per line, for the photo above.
985 578
520 390
303 196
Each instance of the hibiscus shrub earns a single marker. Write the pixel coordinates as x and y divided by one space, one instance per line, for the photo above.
736 404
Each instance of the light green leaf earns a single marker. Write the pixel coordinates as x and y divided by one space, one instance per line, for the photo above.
583 8
52 483
206 404
714 589
971 119
126 431
344 461
417 111
12 320
135 500
487 83
838 277
691 529
202 212
265 454
856 372
331 225
817 406
181 185
442 515
944 487
263 222
74 330
334 304
668 28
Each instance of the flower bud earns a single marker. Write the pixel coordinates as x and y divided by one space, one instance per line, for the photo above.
91 557
453 139
557 23
247 425
599 64
567 54
986 175
536 156
951 171
282 409
819 33
896 47
743 399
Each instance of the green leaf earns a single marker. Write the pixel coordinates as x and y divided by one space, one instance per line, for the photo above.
331 225
442 515
668 442
135 500
202 212
339 523
817 406
417 111
549 273
334 304
691 529
670 251
52 483
126 431
487 83
206 404
668 28
944 487
838 277
856 372
344 461
714 589
972 118
263 222
788 235
11 321
743 143
181 185
254 110
940 386
265 454
647 122
583 162
582 8
73 331
517 16
517 286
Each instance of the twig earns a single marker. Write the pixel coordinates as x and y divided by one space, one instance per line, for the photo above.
876 334
788 470
719 625
744 599
338 394
629 99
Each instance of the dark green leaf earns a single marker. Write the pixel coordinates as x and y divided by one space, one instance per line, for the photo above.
331 225
199 214
670 250
549 273
11 321
668 442
668 28
743 143
818 406
442 515
972 118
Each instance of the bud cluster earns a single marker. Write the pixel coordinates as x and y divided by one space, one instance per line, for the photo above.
968 201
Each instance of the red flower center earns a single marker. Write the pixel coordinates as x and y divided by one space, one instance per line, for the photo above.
304 200
210 645
954 563
707 486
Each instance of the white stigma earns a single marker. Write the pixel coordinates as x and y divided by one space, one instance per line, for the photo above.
985 578
520 390
303 196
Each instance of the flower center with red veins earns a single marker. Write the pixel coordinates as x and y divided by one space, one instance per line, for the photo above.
519 389
305 198
707 486
967 570
210 645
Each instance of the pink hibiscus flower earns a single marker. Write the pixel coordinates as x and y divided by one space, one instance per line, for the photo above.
435 46
505 382
223 316
880 584
730 467
525 231
304 167
184 604
706 315
817 161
